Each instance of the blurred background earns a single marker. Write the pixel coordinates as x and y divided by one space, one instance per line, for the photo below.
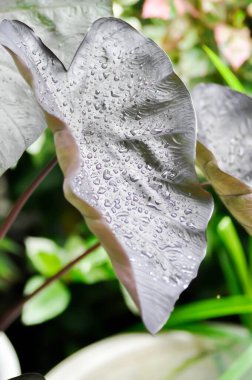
199 37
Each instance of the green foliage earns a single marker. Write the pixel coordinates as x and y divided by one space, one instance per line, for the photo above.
232 243
224 70
213 308
44 254
9 246
48 304
96 267
184 26
48 258
240 367
9 272
216 331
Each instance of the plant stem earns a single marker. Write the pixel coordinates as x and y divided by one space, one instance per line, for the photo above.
11 315
7 224
205 184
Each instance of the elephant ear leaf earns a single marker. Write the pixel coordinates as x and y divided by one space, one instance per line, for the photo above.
224 149
62 26
124 129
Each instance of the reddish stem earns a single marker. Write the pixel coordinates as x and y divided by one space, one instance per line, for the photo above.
205 184
24 198
11 315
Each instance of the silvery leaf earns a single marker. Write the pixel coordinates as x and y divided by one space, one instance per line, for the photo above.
124 130
224 150
62 25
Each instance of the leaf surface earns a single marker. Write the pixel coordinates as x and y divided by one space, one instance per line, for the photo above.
62 25
124 130
224 151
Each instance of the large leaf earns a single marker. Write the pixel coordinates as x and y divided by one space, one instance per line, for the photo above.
125 137
224 151
62 25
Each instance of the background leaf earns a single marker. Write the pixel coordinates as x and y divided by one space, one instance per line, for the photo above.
49 303
44 255
224 151
94 268
48 258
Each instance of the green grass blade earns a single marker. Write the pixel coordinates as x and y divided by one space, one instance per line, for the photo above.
224 70
216 331
232 243
250 253
229 273
239 367
211 308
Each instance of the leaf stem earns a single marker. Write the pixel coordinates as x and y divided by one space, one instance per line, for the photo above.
12 216
205 184
11 315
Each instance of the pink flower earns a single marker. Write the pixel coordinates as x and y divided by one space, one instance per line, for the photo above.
156 9
162 9
234 44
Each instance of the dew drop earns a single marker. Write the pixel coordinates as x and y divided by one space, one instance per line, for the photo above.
114 95
101 190
106 175
107 203
147 254
188 211
191 225
97 181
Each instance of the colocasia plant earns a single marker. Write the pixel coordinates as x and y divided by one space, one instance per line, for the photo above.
125 136
124 132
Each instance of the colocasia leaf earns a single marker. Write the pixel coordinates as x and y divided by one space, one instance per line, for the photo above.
62 25
224 150
124 131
